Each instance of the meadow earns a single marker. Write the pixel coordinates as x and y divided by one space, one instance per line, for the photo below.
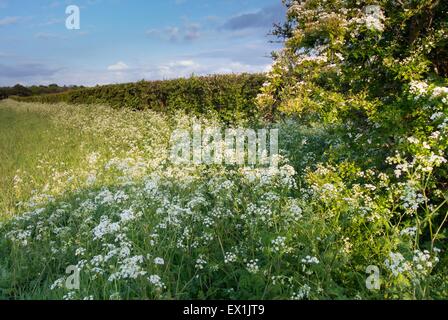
93 207
92 188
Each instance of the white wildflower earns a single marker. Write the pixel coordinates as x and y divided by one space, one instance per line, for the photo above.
156 281
252 266
303 293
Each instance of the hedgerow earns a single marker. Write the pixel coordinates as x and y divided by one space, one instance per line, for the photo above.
229 96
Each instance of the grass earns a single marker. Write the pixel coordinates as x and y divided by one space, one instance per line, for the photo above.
27 139
41 144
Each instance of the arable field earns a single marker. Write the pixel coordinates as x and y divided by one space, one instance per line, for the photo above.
92 189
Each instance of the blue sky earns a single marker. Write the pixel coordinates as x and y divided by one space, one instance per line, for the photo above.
130 40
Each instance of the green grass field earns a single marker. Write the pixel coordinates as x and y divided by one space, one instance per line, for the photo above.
29 140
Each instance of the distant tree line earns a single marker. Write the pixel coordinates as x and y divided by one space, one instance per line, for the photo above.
229 96
21 91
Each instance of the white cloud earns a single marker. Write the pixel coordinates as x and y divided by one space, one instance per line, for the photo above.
42 74
182 63
174 69
119 66
268 68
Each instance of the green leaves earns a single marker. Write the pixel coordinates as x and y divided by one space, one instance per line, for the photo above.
231 97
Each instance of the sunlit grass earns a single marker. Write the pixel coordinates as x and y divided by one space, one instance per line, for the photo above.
45 148
28 139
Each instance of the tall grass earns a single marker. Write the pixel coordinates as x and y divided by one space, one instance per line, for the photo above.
29 142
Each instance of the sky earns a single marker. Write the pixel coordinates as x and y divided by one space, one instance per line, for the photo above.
130 40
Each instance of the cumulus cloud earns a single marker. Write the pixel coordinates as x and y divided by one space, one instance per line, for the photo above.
119 66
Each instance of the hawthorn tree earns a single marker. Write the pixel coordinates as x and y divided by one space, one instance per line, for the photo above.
373 74
350 58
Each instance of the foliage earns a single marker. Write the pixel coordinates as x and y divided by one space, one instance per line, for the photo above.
347 59
371 76
229 96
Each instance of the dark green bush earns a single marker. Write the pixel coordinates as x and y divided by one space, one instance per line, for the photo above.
229 96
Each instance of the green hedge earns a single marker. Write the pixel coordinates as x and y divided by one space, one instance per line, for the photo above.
230 96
